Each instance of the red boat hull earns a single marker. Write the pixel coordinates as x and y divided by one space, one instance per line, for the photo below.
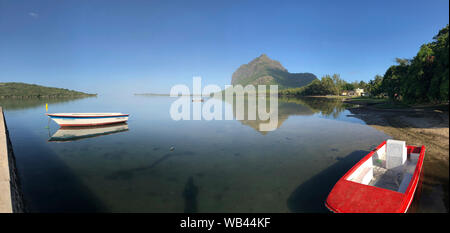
352 197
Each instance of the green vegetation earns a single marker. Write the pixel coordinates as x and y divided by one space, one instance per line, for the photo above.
327 85
23 90
423 79
265 71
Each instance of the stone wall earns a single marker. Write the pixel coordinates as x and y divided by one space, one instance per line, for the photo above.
11 198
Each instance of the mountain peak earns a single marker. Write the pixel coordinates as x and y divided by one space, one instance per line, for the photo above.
265 71
263 56
266 61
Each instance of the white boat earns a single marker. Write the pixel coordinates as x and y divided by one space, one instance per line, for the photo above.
197 99
65 134
87 119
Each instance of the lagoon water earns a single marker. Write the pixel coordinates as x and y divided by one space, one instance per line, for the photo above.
156 164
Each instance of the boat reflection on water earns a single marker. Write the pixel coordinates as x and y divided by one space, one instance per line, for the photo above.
66 134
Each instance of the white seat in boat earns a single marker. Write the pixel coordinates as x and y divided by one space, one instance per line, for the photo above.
365 176
395 153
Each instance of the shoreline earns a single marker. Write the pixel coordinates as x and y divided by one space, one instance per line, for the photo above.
418 126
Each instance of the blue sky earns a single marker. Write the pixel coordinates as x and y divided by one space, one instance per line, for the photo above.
149 46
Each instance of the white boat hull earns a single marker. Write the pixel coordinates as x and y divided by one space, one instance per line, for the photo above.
88 119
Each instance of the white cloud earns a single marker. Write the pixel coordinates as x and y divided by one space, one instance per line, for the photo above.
33 14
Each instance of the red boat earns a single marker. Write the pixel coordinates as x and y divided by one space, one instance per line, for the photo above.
384 181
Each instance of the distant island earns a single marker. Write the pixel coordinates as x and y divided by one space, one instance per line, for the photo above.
24 91
265 71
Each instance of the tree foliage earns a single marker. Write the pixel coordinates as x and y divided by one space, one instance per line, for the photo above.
423 79
327 85
23 90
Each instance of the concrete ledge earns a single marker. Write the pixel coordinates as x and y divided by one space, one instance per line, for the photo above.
11 199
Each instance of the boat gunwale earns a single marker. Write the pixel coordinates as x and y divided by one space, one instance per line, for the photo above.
57 115
410 190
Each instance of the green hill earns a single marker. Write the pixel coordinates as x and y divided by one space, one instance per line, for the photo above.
265 71
23 90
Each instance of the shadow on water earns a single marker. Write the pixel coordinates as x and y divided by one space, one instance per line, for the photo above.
310 196
190 196
50 186
128 173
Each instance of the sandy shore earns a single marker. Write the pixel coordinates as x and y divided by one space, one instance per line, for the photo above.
419 126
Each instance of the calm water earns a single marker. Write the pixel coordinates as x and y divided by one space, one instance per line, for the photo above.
156 164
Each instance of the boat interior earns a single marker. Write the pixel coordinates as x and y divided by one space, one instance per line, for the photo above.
390 167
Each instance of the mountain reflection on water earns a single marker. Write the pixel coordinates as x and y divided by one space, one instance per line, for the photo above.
293 107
